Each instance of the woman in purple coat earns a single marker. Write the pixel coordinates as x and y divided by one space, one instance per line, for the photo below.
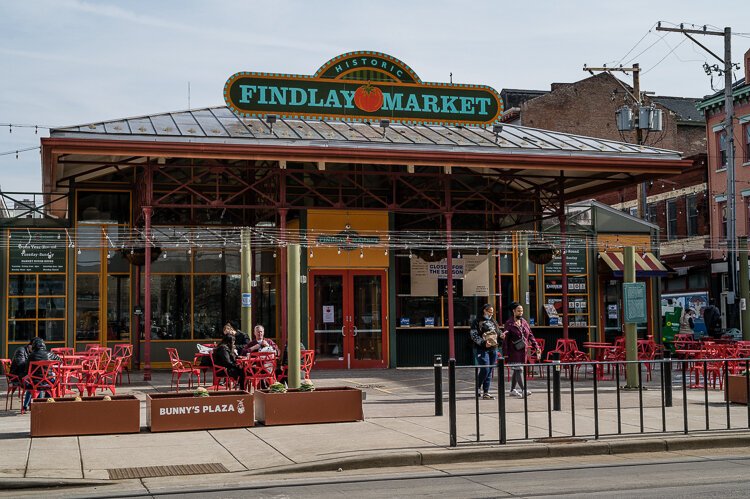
518 336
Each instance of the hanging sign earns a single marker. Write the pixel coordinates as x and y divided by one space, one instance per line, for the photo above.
40 251
362 86
634 302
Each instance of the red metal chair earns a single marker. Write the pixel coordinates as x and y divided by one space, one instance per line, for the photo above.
180 368
124 352
105 380
42 377
221 373
62 351
307 360
260 368
14 383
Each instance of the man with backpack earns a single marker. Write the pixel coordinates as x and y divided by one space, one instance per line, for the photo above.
712 318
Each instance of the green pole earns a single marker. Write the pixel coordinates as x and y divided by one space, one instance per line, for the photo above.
744 287
523 274
631 331
293 314
246 281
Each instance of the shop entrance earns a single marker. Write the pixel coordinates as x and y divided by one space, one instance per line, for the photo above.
348 321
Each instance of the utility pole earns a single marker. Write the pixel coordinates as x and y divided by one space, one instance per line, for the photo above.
636 96
729 130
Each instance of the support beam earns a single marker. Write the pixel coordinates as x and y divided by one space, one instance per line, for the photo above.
631 329
449 275
744 287
246 278
523 272
283 298
293 321
147 297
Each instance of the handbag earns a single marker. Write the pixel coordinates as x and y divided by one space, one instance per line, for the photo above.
519 344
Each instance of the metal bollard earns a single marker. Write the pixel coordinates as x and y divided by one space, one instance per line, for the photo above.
452 402
501 399
667 378
438 385
556 404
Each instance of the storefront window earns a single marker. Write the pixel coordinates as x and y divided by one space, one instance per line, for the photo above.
217 301
36 307
103 207
118 308
170 307
87 308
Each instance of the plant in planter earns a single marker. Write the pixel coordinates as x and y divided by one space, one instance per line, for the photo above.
308 404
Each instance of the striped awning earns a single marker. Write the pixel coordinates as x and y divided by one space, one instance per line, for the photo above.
646 264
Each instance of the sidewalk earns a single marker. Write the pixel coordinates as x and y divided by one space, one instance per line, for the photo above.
400 429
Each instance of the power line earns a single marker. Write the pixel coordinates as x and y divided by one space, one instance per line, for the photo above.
7 153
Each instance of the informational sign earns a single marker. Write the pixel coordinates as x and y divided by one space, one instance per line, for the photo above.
575 260
576 285
612 311
328 314
360 86
472 269
634 302
37 251
247 300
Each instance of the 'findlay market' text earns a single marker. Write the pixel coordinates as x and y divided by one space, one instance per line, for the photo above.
392 101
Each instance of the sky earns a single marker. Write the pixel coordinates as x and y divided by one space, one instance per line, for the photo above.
69 62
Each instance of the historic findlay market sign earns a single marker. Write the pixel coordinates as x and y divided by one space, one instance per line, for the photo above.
362 86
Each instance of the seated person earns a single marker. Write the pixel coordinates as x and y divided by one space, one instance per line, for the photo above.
260 343
38 352
283 366
19 366
225 356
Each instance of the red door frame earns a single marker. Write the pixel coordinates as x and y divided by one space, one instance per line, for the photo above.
348 312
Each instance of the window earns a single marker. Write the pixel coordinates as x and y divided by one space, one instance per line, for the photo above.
723 215
691 204
747 143
671 219
722 150
651 213
633 212
36 307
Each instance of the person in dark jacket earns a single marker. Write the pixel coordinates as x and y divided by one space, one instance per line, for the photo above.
518 336
225 355
485 336
240 338
19 366
38 352
712 318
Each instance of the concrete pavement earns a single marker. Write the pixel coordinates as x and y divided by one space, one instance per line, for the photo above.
400 429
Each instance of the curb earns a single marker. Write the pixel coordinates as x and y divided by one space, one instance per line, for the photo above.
50 483
447 455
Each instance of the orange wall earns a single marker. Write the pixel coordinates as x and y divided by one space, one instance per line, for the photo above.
364 222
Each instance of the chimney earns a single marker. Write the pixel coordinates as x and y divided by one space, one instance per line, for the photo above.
747 67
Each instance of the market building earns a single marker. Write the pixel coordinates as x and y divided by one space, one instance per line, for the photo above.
384 181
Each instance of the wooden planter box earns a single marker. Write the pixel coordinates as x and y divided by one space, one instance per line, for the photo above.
323 405
184 411
737 389
90 416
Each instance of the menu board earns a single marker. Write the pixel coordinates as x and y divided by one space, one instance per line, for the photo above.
37 251
575 260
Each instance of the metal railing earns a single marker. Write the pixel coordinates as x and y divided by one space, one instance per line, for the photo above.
613 394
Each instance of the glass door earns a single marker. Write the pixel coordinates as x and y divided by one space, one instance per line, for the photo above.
368 319
327 320
348 319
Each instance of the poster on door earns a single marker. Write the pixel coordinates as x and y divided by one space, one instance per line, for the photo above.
328 314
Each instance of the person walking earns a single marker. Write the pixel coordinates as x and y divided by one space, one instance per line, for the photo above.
485 336
712 318
687 325
518 336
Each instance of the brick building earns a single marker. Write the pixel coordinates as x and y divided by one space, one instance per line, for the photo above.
713 107
678 205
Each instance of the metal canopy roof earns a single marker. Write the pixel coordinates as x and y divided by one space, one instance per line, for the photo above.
218 125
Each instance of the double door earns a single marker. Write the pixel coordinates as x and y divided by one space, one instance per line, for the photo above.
348 318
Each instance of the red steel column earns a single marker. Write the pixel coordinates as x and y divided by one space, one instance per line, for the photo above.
564 269
147 292
282 272
137 318
449 271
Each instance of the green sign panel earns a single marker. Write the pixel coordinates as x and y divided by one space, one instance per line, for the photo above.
575 261
362 86
39 251
635 310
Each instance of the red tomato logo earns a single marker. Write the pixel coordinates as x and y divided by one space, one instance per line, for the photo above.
368 98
